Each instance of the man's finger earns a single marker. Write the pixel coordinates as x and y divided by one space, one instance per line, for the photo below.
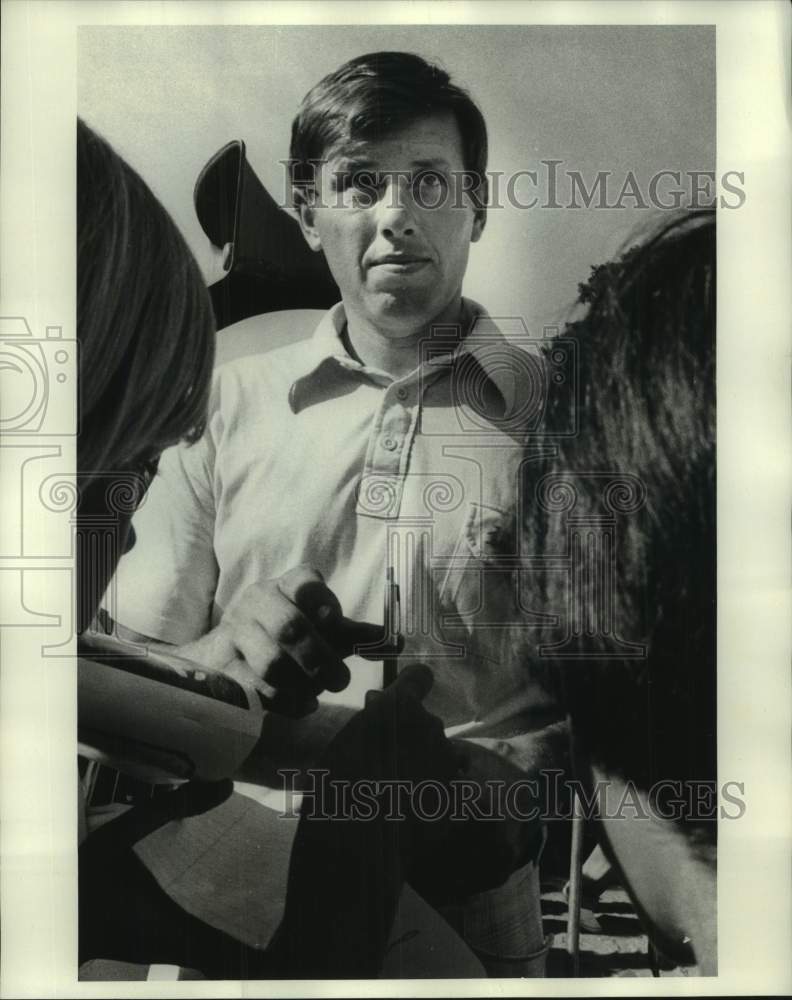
305 587
286 676
294 706
372 697
299 639
240 671
295 701
361 638
413 681
256 647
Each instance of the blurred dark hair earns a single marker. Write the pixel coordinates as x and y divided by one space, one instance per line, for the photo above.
144 319
376 94
646 405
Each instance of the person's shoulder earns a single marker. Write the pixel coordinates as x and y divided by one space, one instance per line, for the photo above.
262 364
267 364
275 336
507 333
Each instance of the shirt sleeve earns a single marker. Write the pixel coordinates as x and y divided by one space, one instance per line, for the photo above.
165 585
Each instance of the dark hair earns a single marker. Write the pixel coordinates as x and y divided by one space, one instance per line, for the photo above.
646 406
375 94
144 319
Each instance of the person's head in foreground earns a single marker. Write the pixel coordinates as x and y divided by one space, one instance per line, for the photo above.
643 457
146 338
388 161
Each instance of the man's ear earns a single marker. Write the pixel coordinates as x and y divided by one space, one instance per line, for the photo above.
479 222
305 205
480 198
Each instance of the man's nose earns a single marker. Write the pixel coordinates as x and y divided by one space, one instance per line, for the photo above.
395 211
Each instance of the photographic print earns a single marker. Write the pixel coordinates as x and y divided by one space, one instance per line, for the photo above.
386 471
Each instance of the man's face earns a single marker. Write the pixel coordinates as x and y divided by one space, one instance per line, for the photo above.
395 224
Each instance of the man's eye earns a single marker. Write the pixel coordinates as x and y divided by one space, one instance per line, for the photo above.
430 186
342 180
361 189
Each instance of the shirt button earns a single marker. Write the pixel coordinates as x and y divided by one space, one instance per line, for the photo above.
389 444
401 393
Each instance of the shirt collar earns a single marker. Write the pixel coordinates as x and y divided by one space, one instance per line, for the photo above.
328 364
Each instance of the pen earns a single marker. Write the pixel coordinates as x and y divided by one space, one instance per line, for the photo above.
392 616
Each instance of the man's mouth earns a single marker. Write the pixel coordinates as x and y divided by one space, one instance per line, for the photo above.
400 263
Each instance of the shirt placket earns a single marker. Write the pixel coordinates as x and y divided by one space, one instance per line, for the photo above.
388 454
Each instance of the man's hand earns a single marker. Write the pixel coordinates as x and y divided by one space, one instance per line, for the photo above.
498 833
392 746
289 638
474 844
394 738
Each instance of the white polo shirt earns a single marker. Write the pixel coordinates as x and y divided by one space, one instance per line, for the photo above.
312 457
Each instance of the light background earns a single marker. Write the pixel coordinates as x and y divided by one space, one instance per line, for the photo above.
616 99
37 695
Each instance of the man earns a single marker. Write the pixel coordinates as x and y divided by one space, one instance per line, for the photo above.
391 440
